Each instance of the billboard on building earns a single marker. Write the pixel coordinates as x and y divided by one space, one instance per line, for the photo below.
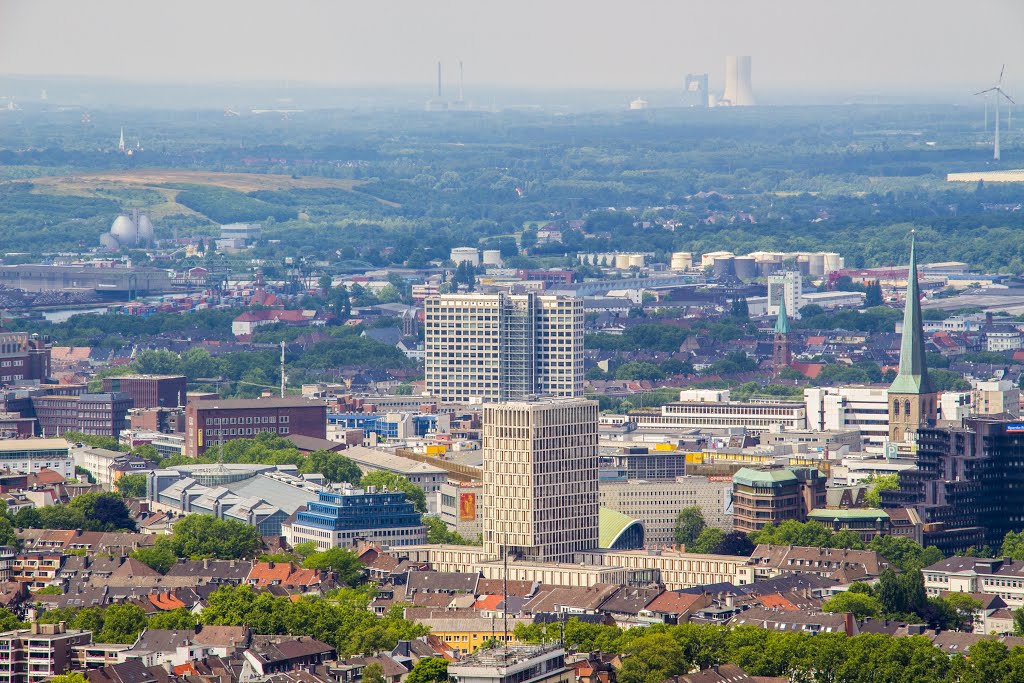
467 507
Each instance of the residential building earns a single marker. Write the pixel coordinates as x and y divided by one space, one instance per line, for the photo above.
861 408
466 630
657 503
522 664
996 576
351 516
769 561
913 403
248 322
33 455
211 422
711 409
497 347
996 397
540 478
36 569
150 391
38 653
268 655
775 495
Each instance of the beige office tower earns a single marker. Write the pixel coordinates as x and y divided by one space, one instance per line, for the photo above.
500 347
540 479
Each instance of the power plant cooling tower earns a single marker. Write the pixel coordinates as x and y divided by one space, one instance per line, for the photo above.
738 90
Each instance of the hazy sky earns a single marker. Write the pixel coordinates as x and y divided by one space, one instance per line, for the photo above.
852 45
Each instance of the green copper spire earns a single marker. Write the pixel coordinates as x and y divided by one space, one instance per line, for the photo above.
782 323
913 375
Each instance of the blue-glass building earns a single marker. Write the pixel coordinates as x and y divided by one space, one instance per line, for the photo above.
351 516
395 426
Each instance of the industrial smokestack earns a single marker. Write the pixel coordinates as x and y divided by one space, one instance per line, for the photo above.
460 80
738 90
438 79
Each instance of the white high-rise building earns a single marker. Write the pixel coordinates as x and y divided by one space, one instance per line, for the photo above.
540 479
789 285
499 347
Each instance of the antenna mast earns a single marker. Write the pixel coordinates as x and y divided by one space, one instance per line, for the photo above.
282 368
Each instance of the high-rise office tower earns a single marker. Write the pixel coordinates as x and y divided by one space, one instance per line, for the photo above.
540 479
500 347
912 400
695 90
738 90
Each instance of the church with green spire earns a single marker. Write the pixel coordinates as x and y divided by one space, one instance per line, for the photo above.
782 355
912 400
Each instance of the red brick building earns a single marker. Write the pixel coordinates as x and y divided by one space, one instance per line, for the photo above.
23 357
150 391
212 421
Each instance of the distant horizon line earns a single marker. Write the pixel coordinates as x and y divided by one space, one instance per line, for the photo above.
965 89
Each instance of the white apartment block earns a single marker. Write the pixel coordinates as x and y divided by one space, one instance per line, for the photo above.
865 409
657 503
789 285
540 479
499 347
1003 340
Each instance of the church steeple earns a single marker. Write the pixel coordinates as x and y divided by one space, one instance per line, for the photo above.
782 356
782 322
912 400
913 373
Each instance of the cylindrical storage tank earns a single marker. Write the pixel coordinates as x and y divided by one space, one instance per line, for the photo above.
723 266
833 262
816 263
636 260
769 268
803 267
470 255
622 261
492 257
745 267
682 260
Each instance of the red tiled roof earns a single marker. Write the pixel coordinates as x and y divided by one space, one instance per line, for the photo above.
488 602
809 370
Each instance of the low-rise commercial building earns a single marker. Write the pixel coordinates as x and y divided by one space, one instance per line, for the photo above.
865 522
107 466
33 455
860 408
104 414
458 507
714 410
350 517
523 664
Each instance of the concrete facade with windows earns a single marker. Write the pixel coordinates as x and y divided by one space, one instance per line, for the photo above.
540 478
861 408
211 422
38 653
657 503
774 496
995 576
495 347
755 417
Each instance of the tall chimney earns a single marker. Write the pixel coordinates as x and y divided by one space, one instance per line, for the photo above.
439 79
